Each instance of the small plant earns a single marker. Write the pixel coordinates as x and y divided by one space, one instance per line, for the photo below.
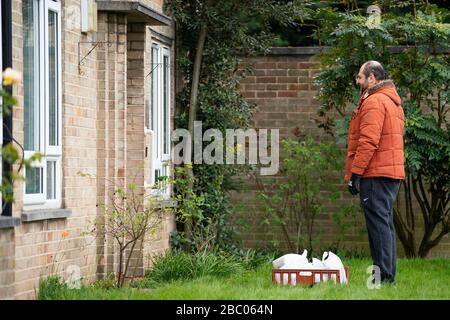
129 216
254 258
53 281
51 287
305 186
198 234
107 283
57 258
348 220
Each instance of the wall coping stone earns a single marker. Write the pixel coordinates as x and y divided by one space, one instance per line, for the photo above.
298 51
9 222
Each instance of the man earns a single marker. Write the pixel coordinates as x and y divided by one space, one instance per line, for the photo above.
375 161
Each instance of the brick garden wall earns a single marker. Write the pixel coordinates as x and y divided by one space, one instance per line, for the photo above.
281 86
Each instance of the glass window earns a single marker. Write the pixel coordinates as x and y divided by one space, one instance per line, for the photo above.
53 77
34 181
42 110
160 112
31 74
166 104
51 179
155 94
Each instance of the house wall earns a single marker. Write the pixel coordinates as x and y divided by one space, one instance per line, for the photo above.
102 135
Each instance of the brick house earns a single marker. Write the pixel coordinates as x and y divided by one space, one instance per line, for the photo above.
97 96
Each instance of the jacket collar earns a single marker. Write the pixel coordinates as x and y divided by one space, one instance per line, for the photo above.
375 88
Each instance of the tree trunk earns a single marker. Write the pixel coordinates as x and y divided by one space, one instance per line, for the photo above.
127 264
193 106
121 249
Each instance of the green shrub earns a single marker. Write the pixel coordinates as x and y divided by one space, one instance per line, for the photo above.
172 265
177 265
305 189
107 283
51 287
219 264
254 258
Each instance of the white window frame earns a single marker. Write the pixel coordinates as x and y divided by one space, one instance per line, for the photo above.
159 158
51 153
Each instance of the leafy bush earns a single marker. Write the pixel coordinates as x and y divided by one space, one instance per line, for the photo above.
294 200
51 287
107 283
178 265
254 258
128 218
219 264
173 265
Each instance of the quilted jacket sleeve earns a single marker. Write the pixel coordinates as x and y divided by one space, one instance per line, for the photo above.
371 126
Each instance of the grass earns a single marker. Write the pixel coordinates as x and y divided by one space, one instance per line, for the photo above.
416 279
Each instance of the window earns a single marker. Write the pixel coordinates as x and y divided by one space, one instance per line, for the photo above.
158 114
42 101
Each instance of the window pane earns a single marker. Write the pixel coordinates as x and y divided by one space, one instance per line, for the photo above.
166 104
34 181
51 179
157 175
31 74
53 77
164 174
155 97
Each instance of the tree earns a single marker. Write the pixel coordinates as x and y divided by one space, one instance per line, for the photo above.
128 217
210 36
419 65
305 189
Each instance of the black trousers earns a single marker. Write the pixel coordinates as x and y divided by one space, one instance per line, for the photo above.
377 196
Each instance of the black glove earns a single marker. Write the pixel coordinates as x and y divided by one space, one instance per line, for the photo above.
354 183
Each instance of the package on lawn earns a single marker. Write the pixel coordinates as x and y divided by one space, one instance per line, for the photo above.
291 260
333 262
330 261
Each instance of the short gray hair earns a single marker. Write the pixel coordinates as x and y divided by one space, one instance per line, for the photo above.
375 68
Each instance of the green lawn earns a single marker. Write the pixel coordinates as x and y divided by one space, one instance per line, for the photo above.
416 279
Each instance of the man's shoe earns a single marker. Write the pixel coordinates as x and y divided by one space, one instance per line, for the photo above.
389 283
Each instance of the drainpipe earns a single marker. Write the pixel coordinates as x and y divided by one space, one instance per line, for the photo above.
7 63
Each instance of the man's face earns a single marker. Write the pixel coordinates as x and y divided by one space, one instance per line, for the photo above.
361 80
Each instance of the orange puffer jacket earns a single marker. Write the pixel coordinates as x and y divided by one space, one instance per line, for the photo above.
375 135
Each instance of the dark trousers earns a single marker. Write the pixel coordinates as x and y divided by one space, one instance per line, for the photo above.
377 197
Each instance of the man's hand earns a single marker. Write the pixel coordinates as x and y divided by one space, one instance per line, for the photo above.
354 183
